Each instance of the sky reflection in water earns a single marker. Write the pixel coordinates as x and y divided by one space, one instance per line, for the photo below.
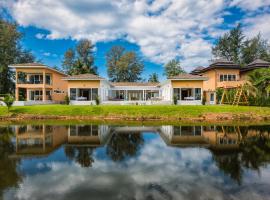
127 162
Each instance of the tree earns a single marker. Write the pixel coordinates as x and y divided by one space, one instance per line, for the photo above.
234 47
173 68
80 60
8 100
153 78
260 79
123 66
229 45
69 61
11 52
255 48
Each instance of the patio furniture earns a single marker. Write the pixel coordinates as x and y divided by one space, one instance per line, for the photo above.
81 99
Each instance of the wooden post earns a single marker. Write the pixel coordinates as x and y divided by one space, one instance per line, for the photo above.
44 86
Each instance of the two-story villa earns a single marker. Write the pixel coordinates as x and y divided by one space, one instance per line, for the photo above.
38 83
225 74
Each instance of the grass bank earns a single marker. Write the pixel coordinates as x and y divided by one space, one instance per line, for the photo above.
155 112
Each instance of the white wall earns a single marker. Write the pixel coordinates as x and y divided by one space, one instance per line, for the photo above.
166 91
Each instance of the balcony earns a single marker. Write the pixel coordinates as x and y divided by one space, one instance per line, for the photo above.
33 79
230 84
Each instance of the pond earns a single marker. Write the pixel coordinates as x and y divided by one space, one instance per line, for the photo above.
142 162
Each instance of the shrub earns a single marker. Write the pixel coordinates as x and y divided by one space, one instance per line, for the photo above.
8 100
203 100
97 100
219 93
67 100
259 101
175 100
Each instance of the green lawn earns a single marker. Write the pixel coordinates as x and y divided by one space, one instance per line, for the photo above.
155 111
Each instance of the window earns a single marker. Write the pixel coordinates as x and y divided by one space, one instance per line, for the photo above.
48 79
72 94
212 97
198 130
225 77
36 79
57 91
221 78
176 130
94 93
198 94
176 92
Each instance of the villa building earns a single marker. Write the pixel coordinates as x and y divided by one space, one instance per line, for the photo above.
225 74
40 84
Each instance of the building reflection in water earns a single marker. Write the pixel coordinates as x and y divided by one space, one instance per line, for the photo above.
43 139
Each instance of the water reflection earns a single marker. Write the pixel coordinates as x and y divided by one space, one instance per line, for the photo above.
148 162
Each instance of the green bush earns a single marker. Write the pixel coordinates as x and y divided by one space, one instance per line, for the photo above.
219 93
203 100
8 100
259 101
175 100
97 100
67 100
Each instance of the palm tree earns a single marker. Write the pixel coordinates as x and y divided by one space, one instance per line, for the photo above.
260 79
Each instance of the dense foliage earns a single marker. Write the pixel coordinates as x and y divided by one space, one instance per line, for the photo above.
234 46
11 52
153 78
173 68
80 60
123 66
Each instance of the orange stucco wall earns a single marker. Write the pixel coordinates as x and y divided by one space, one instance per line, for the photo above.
187 84
57 83
84 84
213 78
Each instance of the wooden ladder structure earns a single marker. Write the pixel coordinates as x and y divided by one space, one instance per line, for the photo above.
239 98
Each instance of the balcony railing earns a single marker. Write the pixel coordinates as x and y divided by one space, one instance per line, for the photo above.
226 84
30 82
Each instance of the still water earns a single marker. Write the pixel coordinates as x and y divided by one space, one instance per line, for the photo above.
99 161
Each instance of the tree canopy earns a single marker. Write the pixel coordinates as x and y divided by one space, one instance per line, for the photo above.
173 68
123 66
81 59
234 46
153 78
11 52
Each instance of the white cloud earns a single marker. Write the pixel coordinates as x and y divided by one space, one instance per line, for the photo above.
40 36
250 4
159 27
259 24
163 29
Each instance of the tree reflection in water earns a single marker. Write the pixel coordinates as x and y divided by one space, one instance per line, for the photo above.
253 153
9 176
124 145
81 154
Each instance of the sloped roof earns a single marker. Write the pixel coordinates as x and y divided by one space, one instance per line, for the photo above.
197 70
222 62
83 77
256 64
188 77
35 65
259 62
149 84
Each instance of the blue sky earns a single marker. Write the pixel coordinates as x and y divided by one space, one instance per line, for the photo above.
158 30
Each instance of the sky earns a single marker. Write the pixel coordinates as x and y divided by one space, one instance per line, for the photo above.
158 30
